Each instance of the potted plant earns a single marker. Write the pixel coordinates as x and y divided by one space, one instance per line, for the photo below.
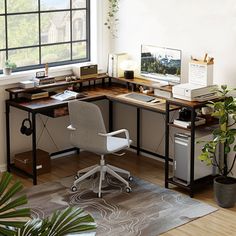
16 221
112 19
223 137
9 66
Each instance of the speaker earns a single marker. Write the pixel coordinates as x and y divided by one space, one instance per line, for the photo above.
26 129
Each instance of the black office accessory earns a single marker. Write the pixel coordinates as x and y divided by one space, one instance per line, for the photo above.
129 74
27 130
185 114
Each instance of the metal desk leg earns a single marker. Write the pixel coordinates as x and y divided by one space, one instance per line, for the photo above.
8 136
110 116
138 131
167 145
34 155
192 155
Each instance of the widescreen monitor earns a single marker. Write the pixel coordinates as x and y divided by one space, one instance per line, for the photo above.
161 64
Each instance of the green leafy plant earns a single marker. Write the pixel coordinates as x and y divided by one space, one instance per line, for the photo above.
112 20
224 135
9 215
10 65
14 222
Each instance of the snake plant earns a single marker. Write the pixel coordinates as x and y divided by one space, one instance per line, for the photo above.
16 222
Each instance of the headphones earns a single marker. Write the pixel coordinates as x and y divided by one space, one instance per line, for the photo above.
27 130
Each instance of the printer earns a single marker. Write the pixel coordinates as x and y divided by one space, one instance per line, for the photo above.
194 92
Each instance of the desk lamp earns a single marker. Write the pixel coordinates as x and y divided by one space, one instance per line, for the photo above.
128 66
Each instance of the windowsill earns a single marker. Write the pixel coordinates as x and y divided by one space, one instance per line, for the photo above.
16 77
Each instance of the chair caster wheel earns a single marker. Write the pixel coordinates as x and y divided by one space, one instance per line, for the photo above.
76 177
128 189
73 188
99 195
131 178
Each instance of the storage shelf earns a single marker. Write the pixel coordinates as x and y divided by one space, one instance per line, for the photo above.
57 83
197 183
214 122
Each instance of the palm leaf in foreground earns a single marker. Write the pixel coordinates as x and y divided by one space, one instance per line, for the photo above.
8 212
60 223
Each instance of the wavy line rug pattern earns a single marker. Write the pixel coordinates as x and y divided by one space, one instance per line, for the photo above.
148 210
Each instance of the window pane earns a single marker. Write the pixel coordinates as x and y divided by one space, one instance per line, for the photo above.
55 53
79 25
2 6
78 3
79 50
2 59
54 4
24 57
2 34
23 30
55 27
22 5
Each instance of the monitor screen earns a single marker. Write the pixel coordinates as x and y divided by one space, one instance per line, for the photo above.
161 64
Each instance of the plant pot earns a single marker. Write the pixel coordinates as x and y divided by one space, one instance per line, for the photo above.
7 71
225 191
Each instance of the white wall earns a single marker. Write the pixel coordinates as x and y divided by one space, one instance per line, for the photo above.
194 26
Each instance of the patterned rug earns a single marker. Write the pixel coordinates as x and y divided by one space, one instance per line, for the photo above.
148 210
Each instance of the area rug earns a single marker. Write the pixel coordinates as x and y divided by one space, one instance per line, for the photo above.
148 210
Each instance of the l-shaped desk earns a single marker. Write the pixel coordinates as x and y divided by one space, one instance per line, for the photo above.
107 89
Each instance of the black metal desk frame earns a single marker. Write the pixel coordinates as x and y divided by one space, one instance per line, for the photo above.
33 112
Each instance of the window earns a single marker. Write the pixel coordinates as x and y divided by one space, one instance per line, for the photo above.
35 32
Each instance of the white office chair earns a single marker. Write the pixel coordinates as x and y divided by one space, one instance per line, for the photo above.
88 132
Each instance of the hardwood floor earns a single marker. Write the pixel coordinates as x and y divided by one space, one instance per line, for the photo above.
221 222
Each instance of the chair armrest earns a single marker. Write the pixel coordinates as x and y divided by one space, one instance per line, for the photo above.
71 128
118 132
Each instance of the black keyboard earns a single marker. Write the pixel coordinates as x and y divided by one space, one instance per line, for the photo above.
140 97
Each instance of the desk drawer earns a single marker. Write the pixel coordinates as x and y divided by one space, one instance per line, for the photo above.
23 161
57 112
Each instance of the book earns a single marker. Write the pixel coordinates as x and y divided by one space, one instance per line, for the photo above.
35 94
187 124
114 61
44 80
66 95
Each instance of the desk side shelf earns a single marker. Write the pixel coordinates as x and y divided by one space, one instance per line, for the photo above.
192 130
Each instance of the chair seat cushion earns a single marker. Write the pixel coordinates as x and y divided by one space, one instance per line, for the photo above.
115 144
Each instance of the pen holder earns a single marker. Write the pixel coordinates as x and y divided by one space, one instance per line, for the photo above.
201 73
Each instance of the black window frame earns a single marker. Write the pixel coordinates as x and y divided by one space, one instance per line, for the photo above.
40 45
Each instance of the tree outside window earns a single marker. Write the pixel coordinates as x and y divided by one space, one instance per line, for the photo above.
45 31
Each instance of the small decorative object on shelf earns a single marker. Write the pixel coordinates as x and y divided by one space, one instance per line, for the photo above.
9 66
40 74
224 135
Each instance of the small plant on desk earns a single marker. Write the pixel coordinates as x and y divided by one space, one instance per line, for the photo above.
9 66
224 135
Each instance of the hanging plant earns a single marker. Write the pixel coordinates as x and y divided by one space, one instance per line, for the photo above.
112 19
